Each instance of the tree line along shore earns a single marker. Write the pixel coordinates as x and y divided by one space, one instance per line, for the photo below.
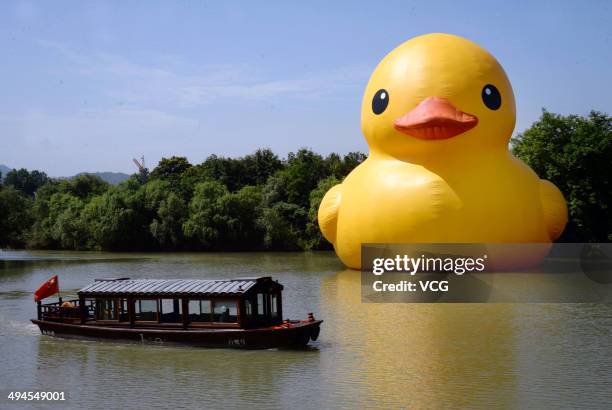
263 202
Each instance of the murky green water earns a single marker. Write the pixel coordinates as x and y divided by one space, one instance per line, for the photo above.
388 355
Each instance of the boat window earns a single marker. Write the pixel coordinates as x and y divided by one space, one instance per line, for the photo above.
274 306
248 308
261 310
145 309
200 310
106 309
90 308
225 311
123 310
170 311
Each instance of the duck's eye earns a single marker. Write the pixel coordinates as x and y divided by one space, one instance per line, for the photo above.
380 101
491 97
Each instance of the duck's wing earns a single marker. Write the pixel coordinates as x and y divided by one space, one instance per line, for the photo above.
554 207
328 212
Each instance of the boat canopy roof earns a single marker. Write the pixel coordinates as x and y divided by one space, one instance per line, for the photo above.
178 287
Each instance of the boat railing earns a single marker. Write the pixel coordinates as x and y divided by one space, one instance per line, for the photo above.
64 310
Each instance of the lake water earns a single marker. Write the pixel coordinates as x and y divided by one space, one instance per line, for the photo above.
388 355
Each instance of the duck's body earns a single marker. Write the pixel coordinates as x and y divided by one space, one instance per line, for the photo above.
390 201
439 189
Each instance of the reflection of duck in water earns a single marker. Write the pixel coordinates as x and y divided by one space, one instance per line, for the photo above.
437 114
422 355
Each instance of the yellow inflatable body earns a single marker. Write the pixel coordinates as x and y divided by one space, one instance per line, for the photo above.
438 114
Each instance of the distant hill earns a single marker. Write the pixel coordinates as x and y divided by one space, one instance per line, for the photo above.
112 178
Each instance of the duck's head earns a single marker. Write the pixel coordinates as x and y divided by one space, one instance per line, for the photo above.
437 94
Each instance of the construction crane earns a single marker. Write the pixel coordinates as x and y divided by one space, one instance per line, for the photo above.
141 164
143 172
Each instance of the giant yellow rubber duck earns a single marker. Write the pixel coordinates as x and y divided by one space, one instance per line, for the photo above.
438 113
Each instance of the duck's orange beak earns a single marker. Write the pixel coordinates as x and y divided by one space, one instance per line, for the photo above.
435 119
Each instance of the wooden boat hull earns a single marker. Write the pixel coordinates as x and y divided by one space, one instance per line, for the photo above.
297 335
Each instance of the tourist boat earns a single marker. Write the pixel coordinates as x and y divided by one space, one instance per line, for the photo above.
245 313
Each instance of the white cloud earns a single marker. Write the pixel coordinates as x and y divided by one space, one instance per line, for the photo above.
151 86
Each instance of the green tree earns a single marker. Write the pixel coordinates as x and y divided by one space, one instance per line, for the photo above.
40 236
171 168
350 162
84 186
15 217
282 222
304 171
235 173
25 181
228 171
239 214
57 211
191 178
204 221
154 192
260 166
116 221
314 238
167 227
282 225
58 224
574 153
67 229
340 167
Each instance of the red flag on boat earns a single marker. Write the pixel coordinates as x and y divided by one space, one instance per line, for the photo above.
50 287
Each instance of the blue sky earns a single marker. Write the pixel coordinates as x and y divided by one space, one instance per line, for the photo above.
86 86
